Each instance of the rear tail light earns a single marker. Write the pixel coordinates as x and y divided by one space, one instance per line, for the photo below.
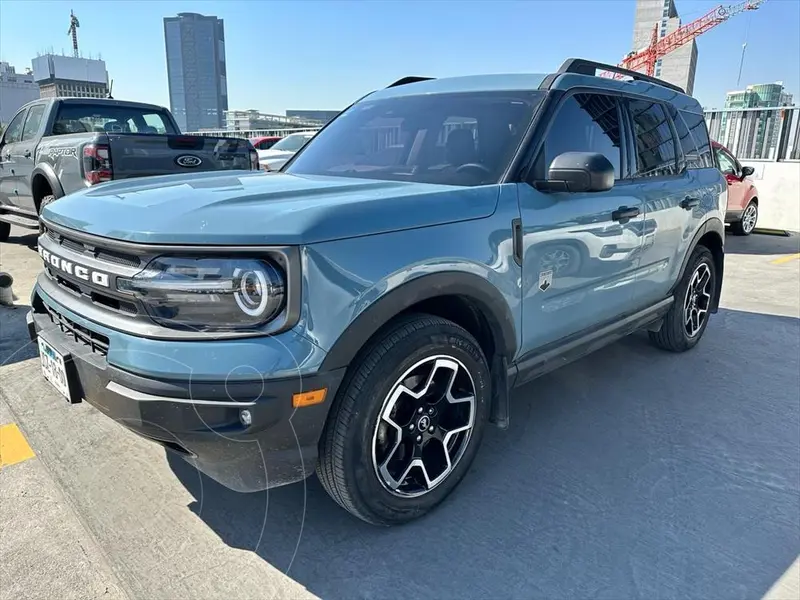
97 163
254 159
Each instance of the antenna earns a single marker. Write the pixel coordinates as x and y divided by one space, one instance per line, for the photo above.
110 87
73 30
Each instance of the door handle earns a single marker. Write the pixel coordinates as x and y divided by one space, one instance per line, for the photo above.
690 203
27 154
624 213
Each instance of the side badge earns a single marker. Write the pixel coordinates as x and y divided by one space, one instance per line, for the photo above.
545 280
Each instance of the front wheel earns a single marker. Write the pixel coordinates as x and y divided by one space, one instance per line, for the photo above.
748 222
407 422
44 202
687 319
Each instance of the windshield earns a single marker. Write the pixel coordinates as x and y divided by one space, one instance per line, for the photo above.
292 143
451 139
108 118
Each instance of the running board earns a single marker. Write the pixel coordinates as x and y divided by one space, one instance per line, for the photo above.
22 221
564 352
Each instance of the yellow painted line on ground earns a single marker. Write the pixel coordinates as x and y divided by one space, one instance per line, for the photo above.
785 259
14 447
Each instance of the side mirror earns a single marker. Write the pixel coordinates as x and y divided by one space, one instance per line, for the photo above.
747 171
576 172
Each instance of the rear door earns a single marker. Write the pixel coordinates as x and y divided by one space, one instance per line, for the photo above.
579 257
673 198
24 155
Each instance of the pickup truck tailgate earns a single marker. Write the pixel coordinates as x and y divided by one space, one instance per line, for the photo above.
143 155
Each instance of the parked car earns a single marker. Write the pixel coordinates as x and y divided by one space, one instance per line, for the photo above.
367 320
277 156
742 213
53 147
265 142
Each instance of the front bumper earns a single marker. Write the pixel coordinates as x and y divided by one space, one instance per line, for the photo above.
199 419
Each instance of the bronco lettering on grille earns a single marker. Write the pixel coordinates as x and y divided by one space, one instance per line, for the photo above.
74 269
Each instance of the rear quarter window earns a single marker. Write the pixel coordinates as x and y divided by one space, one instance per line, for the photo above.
693 138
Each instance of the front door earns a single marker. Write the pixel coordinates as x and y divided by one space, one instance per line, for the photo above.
8 167
737 185
580 251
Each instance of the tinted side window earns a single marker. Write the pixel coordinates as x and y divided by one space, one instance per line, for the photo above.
655 146
697 127
33 121
14 130
584 123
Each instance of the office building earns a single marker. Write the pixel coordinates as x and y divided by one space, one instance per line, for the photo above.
321 116
16 89
748 131
70 77
677 67
198 87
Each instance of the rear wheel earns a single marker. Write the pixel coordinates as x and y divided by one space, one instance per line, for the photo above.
748 221
5 231
687 319
407 422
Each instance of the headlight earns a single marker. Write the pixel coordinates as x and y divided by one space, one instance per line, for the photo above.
209 294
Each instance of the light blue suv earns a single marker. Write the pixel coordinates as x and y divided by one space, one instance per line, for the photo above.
366 311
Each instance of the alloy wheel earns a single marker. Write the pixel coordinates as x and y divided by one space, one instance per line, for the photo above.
749 218
424 426
697 300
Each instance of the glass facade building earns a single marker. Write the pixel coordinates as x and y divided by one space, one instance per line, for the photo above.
198 88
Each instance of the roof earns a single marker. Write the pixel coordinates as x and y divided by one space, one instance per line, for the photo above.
468 83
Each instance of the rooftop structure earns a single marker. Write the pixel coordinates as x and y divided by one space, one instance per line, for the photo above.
16 89
70 76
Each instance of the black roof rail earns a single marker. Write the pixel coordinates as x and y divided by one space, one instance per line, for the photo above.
407 80
582 66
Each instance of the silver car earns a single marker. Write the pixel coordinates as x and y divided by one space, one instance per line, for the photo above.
277 156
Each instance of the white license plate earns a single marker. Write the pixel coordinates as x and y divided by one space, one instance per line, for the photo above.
54 368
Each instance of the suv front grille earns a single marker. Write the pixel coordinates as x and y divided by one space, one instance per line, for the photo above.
96 341
111 256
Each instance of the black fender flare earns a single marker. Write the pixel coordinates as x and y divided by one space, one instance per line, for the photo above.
46 171
711 225
486 297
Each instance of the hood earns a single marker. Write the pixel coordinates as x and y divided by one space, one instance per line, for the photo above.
256 208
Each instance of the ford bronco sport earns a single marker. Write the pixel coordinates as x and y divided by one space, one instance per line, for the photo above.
366 311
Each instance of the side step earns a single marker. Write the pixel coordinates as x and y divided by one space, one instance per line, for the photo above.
22 221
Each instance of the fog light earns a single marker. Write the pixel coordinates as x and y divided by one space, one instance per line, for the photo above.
246 418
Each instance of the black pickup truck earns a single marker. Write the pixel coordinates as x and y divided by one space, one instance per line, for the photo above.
55 146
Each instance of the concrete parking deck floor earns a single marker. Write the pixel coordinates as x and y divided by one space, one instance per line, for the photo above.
631 473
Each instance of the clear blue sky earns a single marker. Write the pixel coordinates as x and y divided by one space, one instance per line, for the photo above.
307 54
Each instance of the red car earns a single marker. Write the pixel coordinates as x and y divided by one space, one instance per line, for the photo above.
264 143
742 194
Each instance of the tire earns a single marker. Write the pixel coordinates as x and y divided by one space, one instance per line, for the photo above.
747 223
678 333
5 231
45 201
356 443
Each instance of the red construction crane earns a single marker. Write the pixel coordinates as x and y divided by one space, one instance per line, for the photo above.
644 61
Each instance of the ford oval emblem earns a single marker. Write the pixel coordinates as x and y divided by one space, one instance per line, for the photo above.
190 161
